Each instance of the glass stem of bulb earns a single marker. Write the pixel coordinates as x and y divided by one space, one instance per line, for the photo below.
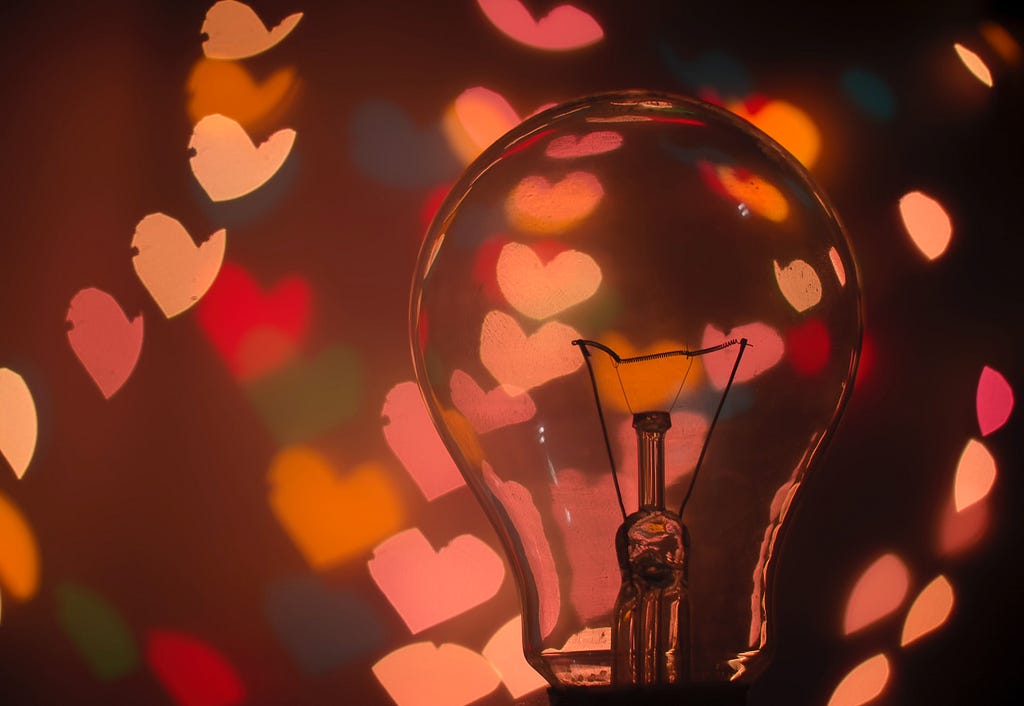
651 631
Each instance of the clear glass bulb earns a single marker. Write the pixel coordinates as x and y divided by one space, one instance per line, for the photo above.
585 242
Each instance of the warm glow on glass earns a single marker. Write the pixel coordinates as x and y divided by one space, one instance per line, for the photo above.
676 296
863 683
235 31
331 518
974 64
424 674
927 223
975 475
541 290
929 611
104 339
486 411
564 27
799 284
521 361
19 553
572 146
19 426
879 591
538 206
993 401
226 162
192 671
461 575
174 270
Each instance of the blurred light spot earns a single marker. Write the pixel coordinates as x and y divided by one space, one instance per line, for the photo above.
712 72
538 206
647 385
975 475
311 396
959 531
974 64
799 284
19 553
413 438
227 164
226 88
541 290
878 592
478 117
573 147
422 674
994 400
788 125
255 331
837 265
1002 41
863 683
930 610
388 147
927 223
487 411
431 205
331 518
765 199
235 31
322 627
103 339
192 672
765 350
808 347
525 518
869 93
449 582
99 633
522 362
564 27
505 653
173 269
19 424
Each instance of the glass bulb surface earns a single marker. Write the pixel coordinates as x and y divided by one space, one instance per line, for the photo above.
647 223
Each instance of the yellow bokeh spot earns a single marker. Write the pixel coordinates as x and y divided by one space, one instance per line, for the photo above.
330 517
643 386
226 88
764 199
19 553
789 126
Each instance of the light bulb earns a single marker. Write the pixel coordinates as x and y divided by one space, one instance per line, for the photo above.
618 289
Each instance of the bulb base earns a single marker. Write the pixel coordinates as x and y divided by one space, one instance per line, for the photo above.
697 694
